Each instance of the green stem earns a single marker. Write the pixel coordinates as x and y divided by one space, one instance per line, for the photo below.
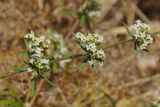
155 33
69 57
116 44
43 77
10 75
88 23
104 48
80 55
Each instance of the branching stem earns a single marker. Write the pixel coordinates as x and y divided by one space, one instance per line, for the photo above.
105 47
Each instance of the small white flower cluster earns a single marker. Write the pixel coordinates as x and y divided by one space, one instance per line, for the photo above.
93 8
141 35
94 13
60 49
36 47
39 64
89 42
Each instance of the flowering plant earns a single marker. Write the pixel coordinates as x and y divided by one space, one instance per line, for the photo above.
36 47
89 43
93 8
37 64
140 34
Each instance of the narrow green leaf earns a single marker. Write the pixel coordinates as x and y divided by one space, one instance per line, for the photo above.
29 53
53 66
20 69
94 5
109 97
129 32
23 53
94 18
33 85
82 67
26 42
47 80
83 20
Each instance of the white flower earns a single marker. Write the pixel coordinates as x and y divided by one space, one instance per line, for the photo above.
36 42
57 55
37 52
91 62
30 35
89 42
36 47
44 61
139 26
100 54
94 38
64 62
57 36
29 69
141 35
41 39
63 50
94 13
32 60
99 38
91 47
79 35
40 54
41 63
30 46
48 42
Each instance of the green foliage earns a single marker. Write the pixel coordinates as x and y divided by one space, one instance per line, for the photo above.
83 20
11 103
33 87
140 35
93 5
94 19
82 67
53 66
127 29
47 80
20 69
131 35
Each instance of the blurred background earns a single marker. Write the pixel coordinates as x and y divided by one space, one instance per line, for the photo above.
128 79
